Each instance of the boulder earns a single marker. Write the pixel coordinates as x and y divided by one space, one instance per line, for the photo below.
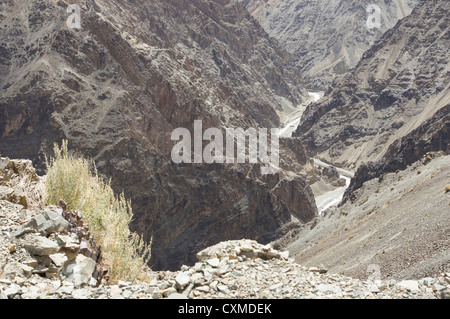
12 290
115 292
3 295
23 168
410 285
22 231
58 259
48 222
68 242
79 271
42 246
157 294
182 280
27 270
213 262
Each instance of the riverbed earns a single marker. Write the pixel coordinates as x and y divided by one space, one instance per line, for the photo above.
290 124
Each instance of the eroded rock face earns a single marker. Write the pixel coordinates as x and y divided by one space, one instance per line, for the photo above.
224 203
19 183
399 83
117 87
325 37
428 140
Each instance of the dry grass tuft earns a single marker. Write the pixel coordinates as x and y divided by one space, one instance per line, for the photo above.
447 188
70 178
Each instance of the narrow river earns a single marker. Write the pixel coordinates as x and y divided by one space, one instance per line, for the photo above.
292 120
335 196
290 124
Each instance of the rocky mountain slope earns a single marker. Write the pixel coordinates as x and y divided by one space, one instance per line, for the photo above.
401 82
42 256
397 223
117 87
326 38
432 136
389 119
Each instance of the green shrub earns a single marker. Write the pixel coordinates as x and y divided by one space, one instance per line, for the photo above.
71 179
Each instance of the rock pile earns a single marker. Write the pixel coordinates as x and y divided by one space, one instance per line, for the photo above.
239 250
60 250
50 242
234 270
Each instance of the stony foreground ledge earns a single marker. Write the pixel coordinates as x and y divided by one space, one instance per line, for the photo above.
43 256
226 272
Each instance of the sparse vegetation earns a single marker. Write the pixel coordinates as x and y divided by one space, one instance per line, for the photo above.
365 199
435 173
447 188
77 182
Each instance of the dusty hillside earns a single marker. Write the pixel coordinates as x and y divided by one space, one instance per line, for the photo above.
399 223
431 136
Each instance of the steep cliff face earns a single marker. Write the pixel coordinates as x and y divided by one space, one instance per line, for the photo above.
326 37
402 81
117 87
430 137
